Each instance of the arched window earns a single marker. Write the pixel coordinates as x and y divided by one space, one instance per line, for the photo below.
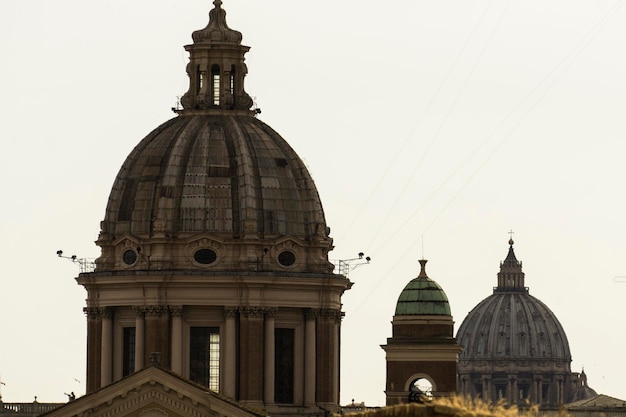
420 390
215 80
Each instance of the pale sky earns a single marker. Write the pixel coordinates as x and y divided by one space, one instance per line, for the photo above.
431 128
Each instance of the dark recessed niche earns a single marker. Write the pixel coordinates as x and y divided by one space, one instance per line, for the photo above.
129 257
281 162
286 258
205 256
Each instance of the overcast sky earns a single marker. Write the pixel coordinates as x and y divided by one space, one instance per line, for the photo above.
431 128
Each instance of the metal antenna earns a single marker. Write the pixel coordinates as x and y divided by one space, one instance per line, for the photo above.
84 264
344 266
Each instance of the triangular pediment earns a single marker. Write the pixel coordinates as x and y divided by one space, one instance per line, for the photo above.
127 240
153 392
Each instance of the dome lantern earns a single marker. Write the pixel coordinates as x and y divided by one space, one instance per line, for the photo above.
216 69
511 277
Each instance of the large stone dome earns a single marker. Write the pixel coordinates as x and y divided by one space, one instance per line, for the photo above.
512 324
514 347
214 189
231 176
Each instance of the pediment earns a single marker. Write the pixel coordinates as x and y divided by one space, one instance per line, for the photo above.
127 240
288 242
153 392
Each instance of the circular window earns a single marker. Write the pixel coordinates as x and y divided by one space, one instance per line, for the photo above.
129 257
286 258
205 256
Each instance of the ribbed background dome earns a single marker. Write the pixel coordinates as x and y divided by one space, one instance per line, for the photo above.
581 393
223 174
512 325
422 296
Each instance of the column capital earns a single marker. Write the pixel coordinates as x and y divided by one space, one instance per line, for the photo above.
270 312
251 312
98 312
310 313
155 311
91 312
176 311
331 315
230 312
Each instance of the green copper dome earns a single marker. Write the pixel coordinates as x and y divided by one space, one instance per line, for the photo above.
422 296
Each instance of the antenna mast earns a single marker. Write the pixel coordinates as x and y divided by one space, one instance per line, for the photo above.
344 266
84 264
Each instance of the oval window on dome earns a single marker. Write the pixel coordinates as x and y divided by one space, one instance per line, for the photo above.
129 257
205 256
287 258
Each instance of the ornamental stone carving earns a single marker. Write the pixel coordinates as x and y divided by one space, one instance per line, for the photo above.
252 312
155 311
94 313
230 312
175 311
153 412
310 314
331 315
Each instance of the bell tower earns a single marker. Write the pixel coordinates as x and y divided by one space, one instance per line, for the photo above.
422 354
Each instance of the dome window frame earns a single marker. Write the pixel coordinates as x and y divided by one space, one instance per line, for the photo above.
287 258
130 257
212 257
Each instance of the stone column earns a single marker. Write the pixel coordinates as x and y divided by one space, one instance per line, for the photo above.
251 356
157 334
310 317
486 388
327 357
94 345
539 389
463 381
229 382
140 330
106 361
269 356
516 397
510 390
176 312
559 390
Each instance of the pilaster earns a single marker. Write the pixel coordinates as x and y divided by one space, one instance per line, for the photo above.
251 377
